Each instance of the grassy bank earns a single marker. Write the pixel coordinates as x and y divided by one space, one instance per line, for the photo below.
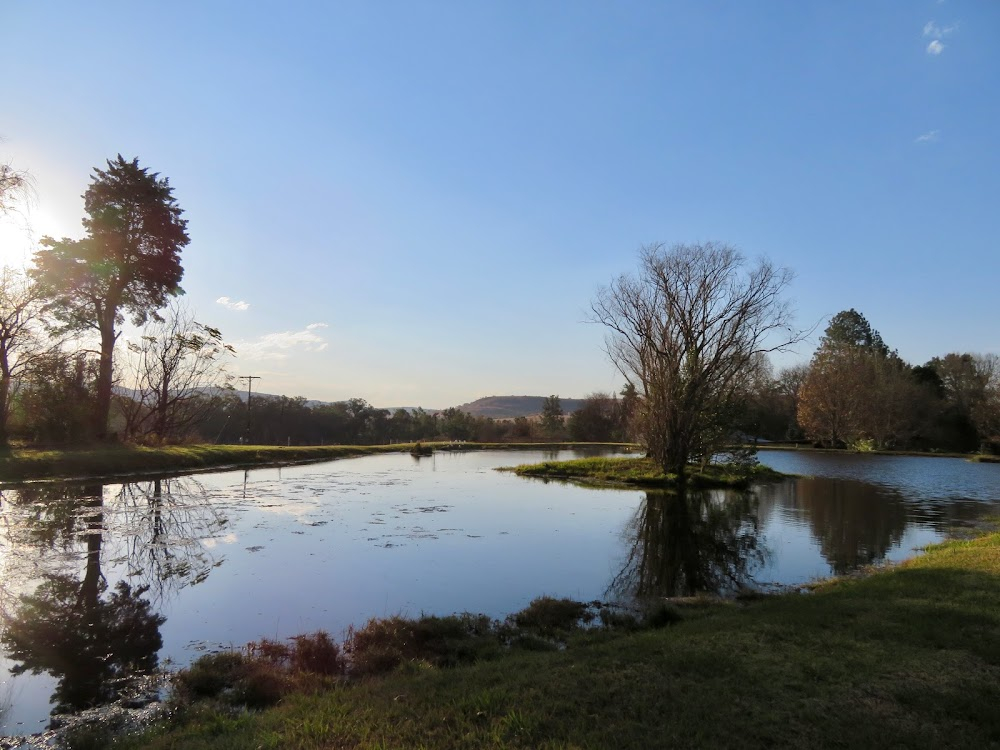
638 472
908 657
985 459
806 448
18 465
110 461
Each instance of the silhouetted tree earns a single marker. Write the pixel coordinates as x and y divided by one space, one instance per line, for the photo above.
53 403
552 416
597 421
177 367
15 186
970 390
129 262
851 328
22 341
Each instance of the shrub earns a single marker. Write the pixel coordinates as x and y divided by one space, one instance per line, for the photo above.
270 651
208 676
615 619
383 644
661 615
549 616
316 654
235 679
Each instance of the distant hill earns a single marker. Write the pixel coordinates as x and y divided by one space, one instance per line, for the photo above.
496 407
507 407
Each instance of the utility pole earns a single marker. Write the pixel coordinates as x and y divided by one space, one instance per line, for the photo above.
249 379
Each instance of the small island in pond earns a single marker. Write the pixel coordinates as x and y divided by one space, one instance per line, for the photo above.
643 472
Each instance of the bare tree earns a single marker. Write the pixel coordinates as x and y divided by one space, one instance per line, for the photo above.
22 340
15 185
985 413
688 331
174 365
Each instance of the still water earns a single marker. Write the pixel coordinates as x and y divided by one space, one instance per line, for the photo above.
98 580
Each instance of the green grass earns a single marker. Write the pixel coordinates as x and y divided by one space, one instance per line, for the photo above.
23 464
806 448
907 657
462 446
638 472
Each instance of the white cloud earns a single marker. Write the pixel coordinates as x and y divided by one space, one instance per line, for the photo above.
929 137
934 31
936 34
213 542
278 346
233 304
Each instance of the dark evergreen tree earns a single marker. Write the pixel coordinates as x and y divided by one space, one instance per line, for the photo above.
850 328
128 263
552 416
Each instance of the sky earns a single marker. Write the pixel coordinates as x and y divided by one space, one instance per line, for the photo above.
415 203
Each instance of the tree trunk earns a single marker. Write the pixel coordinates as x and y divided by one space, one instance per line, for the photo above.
162 407
105 377
4 397
90 588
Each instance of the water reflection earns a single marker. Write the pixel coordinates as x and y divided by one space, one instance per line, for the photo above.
688 542
164 522
62 615
396 535
854 523
89 642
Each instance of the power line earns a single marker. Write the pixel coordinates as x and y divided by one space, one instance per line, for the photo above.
249 379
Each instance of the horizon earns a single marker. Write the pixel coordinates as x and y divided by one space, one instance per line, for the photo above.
241 392
417 205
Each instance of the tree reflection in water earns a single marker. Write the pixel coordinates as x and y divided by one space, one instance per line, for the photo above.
88 642
854 523
88 634
688 542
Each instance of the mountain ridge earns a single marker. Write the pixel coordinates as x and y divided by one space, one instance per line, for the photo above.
496 407
509 407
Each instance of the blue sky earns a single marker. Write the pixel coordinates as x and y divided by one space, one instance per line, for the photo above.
414 203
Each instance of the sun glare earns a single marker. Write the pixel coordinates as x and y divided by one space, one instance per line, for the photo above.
20 232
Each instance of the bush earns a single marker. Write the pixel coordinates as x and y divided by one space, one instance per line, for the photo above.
662 615
235 679
316 654
615 619
211 674
863 445
549 616
384 644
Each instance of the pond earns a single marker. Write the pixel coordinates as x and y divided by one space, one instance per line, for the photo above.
102 579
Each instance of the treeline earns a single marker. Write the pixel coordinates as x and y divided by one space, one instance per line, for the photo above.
857 393
66 376
269 420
